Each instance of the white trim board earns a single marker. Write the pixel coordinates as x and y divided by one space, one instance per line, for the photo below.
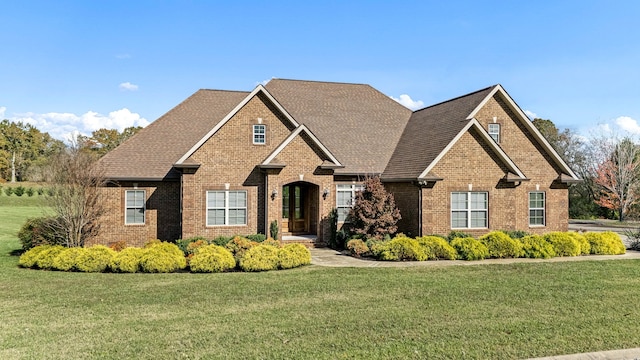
292 136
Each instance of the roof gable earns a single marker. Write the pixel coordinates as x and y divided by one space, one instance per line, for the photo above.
272 159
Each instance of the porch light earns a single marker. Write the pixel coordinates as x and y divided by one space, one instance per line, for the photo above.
325 193
274 193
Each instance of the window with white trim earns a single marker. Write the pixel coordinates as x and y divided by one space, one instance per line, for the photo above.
494 132
345 196
536 208
259 134
134 203
225 207
469 210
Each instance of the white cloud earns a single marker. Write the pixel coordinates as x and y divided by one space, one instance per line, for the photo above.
408 102
530 114
65 125
628 124
123 56
127 86
2 110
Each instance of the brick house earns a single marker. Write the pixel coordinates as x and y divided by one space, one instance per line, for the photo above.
228 162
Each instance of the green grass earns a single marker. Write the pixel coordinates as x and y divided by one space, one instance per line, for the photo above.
483 311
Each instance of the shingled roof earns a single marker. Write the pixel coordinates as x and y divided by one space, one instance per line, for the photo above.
150 154
358 123
428 132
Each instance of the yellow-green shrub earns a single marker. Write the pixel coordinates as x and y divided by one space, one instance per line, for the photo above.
127 260
95 259
401 248
67 260
563 243
358 248
437 248
29 258
272 242
501 245
211 258
293 255
469 248
45 258
260 258
162 257
536 247
239 245
605 243
585 247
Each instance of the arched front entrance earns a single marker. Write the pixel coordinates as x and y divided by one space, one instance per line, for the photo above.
300 208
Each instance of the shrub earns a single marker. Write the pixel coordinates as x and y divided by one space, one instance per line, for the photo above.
516 234
605 243
19 190
260 258
500 245
239 245
221 240
118 245
40 191
633 235
469 248
38 231
585 247
193 246
293 255
29 191
358 248
437 248
374 212
401 248
272 242
273 229
162 257
152 243
257 237
8 190
67 260
29 258
454 234
46 257
211 258
183 243
563 243
536 247
127 260
95 259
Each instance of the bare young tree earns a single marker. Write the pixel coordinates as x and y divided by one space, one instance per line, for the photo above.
76 198
617 174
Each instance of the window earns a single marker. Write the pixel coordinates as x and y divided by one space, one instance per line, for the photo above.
134 206
494 131
259 134
345 197
469 210
536 208
226 208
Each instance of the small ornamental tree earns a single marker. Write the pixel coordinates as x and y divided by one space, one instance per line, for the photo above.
374 213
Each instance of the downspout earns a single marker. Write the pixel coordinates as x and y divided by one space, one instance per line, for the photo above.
266 204
420 211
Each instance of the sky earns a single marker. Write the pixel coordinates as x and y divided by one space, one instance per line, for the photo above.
76 66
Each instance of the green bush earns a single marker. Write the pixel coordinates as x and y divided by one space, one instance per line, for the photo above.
239 245
95 259
19 190
127 260
358 248
260 258
38 231
8 190
293 255
605 243
437 247
221 240
211 258
28 259
516 234
257 237
585 247
469 248
401 248
500 245
67 260
46 257
162 257
183 243
563 243
40 191
29 191
536 247
458 234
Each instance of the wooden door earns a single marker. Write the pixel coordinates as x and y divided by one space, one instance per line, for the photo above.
294 209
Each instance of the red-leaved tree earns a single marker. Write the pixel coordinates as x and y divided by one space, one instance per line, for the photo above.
374 213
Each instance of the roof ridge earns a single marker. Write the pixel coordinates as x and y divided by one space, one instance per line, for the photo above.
222 90
320 81
457 98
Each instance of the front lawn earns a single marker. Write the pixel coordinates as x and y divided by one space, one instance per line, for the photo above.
481 311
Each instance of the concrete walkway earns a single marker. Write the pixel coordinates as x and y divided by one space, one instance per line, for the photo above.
627 354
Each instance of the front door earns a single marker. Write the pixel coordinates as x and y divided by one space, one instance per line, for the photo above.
295 217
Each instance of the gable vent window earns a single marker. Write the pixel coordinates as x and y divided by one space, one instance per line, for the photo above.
259 134
494 131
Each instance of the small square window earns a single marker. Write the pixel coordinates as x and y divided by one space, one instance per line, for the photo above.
494 132
259 134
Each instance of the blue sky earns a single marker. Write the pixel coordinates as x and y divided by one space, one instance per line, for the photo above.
81 65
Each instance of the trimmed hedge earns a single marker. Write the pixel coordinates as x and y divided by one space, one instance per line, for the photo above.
68 259
585 247
127 260
239 246
605 243
501 245
29 258
536 247
95 259
437 248
400 248
563 243
211 258
469 248
162 257
358 248
293 255
260 258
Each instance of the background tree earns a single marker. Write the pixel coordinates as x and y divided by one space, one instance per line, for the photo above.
374 213
77 196
103 140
